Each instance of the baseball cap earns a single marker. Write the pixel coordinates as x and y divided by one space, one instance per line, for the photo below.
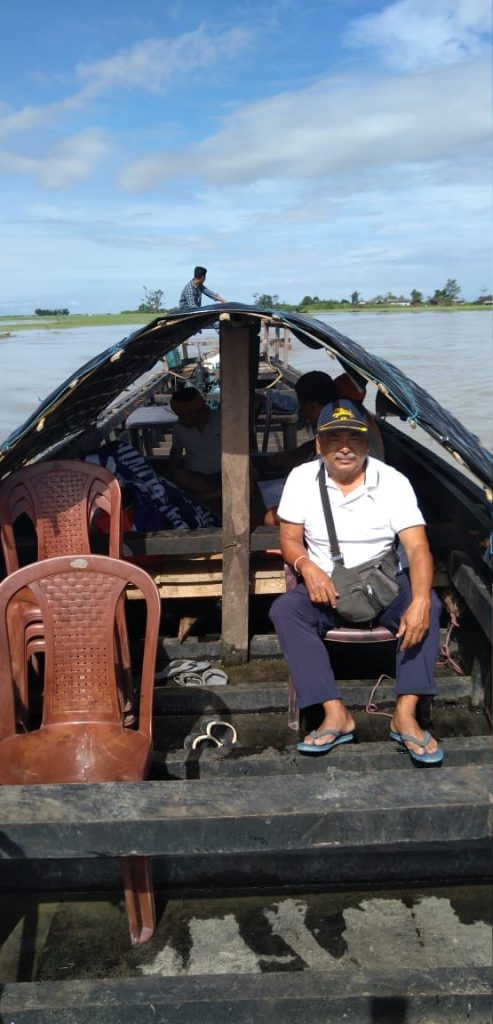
343 414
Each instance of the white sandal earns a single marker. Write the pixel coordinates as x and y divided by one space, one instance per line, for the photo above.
208 735
180 666
209 677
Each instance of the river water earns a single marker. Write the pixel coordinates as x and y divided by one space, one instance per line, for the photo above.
446 353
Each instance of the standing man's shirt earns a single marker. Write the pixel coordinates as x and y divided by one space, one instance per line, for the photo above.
191 296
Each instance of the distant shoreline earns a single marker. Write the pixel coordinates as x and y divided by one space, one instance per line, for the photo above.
10 324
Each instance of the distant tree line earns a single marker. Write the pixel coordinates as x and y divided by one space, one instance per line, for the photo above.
51 312
446 296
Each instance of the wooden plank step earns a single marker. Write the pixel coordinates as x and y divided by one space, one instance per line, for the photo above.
270 697
356 996
262 645
315 812
354 757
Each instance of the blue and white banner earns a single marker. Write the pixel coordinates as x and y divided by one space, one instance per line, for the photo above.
157 503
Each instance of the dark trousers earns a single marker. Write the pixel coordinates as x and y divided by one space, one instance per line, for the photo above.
300 626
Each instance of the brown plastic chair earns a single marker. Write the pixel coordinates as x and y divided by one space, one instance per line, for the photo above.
60 498
82 737
338 634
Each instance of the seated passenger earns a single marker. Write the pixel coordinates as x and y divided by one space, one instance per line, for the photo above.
313 391
196 442
195 457
372 504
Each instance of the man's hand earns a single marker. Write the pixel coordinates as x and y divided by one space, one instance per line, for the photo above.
416 619
414 623
320 588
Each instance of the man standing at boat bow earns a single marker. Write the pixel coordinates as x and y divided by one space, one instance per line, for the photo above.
191 296
372 504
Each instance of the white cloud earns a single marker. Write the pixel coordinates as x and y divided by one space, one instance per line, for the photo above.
71 160
340 126
154 64
414 34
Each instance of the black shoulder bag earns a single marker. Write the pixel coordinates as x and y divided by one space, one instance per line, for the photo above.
366 589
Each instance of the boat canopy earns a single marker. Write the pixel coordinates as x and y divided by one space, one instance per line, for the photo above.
90 396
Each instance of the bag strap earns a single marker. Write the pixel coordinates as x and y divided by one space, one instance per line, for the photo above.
329 518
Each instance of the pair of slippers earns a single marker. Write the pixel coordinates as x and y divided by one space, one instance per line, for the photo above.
434 758
216 733
183 672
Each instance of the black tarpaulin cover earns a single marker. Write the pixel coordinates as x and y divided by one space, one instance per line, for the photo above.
85 398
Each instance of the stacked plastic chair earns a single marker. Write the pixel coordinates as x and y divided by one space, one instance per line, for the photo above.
82 736
60 498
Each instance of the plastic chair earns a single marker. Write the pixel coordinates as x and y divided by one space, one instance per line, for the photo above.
60 498
82 737
340 635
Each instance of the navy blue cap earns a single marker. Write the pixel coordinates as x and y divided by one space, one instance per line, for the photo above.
343 414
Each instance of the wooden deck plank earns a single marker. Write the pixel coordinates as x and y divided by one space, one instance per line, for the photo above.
329 810
355 995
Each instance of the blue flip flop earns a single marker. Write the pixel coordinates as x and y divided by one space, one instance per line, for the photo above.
323 748
436 757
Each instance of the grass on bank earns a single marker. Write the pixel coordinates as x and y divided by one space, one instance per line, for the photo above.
9 324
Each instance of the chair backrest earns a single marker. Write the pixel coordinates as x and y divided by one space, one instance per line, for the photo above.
60 498
78 597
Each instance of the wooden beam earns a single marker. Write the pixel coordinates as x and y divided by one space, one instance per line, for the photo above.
443 995
235 420
472 588
317 812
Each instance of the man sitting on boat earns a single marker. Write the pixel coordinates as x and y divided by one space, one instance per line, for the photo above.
372 505
191 296
195 456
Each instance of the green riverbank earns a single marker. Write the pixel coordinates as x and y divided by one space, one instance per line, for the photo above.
11 324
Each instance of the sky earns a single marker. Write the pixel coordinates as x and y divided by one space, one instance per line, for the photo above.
299 147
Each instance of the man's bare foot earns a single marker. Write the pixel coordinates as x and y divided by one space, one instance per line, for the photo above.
404 722
336 717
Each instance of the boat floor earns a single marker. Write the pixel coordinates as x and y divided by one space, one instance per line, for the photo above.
348 887
422 954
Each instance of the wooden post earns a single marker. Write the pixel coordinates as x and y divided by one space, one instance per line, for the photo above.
235 402
285 357
265 338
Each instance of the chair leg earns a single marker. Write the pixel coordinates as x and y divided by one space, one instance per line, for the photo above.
124 664
139 897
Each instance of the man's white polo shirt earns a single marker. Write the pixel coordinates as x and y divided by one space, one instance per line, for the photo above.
366 520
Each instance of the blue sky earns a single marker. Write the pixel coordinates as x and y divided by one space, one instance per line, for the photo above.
296 148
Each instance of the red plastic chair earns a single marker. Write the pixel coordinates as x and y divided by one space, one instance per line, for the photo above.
82 737
60 498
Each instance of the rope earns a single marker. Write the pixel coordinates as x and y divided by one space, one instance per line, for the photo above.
279 377
372 708
178 375
446 657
